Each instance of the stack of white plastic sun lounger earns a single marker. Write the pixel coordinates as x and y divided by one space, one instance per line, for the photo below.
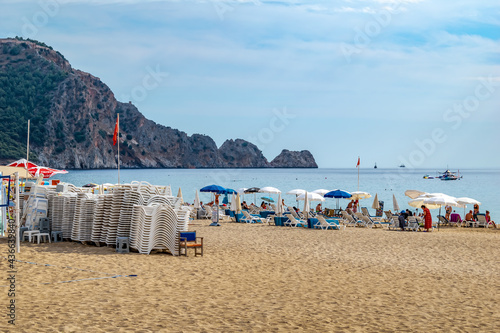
98 219
57 210
132 197
68 213
84 217
114 217
157 228
108 205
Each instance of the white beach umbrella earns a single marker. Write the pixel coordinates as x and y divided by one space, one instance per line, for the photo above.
358 195
179 194
395 204
306 203
233 203
279 206
467 201
434 195
197 201
412 194
241 190
269 189
444 200
321 191
310 197
375 204
418 202
297 191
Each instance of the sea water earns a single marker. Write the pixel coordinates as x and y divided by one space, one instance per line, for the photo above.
480 184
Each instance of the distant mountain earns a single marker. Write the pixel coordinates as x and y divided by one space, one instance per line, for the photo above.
73 116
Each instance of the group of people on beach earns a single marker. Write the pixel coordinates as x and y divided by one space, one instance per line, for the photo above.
403 216
426 216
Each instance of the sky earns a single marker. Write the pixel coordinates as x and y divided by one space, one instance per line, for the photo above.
394 82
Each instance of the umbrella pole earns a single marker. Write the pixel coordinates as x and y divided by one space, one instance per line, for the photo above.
438 217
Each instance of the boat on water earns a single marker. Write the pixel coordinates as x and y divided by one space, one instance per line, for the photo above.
448 175
402 166
375 166
428 177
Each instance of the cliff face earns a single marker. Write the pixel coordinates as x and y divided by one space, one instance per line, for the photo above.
242 154
294 159
74 126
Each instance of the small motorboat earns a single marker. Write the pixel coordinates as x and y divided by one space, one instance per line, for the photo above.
428 177
375 166
402 166
448 175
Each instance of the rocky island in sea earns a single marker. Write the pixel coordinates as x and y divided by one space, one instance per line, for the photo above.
73 115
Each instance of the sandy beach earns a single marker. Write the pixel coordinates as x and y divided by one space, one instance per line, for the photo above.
259 278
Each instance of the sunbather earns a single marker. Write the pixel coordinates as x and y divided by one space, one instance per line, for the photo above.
448 212
318 208
488 219
469 216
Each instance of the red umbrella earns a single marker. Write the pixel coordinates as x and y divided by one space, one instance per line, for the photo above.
22 163
46 172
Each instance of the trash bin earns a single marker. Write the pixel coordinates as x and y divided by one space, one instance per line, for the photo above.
280 220
311 222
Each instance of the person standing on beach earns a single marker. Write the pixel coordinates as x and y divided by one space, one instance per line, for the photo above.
350 204
476 211
402 220
427 218
355 206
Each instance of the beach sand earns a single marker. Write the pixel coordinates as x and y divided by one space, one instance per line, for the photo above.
255 278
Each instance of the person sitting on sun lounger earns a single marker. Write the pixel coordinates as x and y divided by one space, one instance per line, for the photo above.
488 219
318 208
469 216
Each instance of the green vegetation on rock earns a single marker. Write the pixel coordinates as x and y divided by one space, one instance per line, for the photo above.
25 93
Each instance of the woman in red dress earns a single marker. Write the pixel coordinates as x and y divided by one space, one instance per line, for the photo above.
427 218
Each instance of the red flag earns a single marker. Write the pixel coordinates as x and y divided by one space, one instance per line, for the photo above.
115 134
357 165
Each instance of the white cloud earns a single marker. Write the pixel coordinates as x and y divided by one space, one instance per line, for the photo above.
261 57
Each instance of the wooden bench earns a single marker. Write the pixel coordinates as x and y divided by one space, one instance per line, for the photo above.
188 239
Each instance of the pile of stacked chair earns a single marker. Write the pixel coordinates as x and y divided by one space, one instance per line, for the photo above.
149 215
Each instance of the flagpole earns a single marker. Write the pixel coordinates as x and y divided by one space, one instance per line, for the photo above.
358 173
28 148
118 139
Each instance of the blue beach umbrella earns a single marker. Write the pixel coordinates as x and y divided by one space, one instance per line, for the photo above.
217 190
213 189
268 199
230 191
338 194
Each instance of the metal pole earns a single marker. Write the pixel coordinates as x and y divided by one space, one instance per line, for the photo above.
28 148
18 247
358 174
118 139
